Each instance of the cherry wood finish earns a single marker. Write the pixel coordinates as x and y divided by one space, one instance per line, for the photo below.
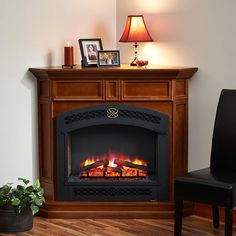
164 89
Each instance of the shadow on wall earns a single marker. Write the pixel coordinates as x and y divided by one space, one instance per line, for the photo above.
102 31
30 83
49 58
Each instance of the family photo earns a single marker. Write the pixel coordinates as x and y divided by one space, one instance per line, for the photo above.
92 52
108 58
89 50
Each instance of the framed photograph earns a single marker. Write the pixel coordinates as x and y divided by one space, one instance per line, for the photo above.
89 51
107 58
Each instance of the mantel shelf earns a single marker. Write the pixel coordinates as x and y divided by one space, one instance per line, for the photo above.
160 72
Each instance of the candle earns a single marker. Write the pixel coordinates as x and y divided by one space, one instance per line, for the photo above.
68 55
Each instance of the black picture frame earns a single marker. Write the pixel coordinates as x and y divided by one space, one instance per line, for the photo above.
108 58
90 58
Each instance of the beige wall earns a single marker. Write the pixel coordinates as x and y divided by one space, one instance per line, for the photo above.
33 33
186 32
198 33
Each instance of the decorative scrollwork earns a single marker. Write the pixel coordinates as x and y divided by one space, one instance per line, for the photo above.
112 112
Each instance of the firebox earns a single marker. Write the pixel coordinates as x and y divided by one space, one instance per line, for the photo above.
112 152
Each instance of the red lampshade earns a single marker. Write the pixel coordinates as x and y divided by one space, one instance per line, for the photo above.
135 30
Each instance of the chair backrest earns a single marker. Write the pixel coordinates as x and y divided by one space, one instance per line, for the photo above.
223 151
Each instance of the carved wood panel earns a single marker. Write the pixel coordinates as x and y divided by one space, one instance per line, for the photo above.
146 90
78 90
112 90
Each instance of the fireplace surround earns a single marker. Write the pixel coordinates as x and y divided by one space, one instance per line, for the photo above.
156 89
112 152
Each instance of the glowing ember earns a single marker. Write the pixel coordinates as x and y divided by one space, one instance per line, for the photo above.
113 164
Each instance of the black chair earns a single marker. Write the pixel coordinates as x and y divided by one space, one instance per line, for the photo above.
215 185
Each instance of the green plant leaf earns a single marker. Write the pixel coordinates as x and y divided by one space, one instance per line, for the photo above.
32 196
20 187
2 202
30 188
40 192
25 181
37 184
38 201
19 210
6 189
15 202
34 209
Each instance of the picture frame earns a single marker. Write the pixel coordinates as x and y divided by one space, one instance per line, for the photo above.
89 51
108 58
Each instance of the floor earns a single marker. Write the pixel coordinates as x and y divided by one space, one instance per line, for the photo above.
192 226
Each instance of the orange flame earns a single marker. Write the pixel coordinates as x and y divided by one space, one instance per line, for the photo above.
112 169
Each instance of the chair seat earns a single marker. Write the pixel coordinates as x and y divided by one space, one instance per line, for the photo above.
208 185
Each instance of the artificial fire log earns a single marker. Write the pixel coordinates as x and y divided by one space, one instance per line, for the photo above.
94 165
92 173
112 169
121 163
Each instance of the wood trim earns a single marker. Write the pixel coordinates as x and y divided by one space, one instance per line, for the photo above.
205 210
180 89
124 71
112 210
112 90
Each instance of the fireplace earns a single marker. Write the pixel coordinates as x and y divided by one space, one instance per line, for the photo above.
112 152
68 99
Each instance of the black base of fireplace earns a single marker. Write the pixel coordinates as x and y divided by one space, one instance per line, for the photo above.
104 191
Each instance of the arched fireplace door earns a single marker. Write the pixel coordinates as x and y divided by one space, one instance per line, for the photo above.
112 152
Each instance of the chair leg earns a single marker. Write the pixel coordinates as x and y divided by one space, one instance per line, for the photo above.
228 221
215 214
178 216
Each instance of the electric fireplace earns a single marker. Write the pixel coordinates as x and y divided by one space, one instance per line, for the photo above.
112 152
67 168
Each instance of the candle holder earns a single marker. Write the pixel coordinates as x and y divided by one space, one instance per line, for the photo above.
68 66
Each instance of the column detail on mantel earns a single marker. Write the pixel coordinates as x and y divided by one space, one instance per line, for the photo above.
162 89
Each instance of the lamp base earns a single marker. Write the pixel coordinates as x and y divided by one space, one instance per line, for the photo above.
133 63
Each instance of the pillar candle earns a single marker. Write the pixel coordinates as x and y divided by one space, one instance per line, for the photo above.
68 55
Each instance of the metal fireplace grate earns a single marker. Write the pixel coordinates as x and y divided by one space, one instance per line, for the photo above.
113 191
80 116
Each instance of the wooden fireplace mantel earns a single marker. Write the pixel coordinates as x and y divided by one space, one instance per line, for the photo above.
164 89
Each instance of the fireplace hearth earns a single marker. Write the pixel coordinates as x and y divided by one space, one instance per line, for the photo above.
112 152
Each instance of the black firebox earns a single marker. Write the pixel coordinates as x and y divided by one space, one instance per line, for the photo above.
112 152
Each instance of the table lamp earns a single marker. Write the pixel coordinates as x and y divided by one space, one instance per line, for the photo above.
135 31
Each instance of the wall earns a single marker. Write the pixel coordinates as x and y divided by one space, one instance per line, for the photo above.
190 33
186 32
33 33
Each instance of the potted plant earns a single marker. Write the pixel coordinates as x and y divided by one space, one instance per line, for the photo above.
19 204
